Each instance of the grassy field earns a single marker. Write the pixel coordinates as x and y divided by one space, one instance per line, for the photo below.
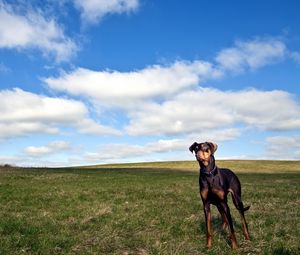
239 166
143 209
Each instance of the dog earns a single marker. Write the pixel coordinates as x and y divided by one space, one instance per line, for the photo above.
215 183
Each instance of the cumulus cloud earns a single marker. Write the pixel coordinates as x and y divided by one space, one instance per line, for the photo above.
193 111
251 54
123 152
33 31
126 152
168 100
4 68
51 148
11 160
93 10
23 113
125 89
283 147
295 56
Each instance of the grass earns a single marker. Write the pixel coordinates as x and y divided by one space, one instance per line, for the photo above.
142 210
239 166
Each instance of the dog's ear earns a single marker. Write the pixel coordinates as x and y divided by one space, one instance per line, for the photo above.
213 147
193 147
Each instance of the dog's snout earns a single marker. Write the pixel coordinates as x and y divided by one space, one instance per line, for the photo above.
203 155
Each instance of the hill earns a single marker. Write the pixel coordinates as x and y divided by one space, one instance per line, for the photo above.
242 166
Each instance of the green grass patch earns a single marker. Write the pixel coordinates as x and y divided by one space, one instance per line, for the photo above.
139 211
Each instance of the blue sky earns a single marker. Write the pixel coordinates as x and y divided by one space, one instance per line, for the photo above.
98 81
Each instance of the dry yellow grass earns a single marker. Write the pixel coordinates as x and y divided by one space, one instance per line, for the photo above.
239 166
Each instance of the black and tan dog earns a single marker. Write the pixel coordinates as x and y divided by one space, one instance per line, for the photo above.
215 183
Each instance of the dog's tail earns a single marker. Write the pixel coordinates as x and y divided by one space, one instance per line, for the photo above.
238 203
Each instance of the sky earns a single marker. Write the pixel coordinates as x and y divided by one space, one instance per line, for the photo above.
86 82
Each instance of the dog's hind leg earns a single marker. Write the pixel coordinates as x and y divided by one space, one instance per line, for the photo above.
224 220
226 210
237 201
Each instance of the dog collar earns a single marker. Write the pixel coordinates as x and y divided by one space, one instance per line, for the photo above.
212 173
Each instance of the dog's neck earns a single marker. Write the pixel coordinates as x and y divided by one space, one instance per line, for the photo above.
207 166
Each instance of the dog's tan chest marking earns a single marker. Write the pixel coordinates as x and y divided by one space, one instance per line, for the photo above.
219 193
204 194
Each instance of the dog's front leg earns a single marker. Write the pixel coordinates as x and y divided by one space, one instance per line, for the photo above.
208 224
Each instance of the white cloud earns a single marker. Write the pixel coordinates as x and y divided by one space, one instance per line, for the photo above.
4 68
23 113
251 54
124 152
295 56
167 100
93 10
89 126
110 153
51 148
215 135
10 160
13 129
283 147
33 30
204 109
127 88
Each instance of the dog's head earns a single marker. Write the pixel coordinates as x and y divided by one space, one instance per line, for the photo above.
203 151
